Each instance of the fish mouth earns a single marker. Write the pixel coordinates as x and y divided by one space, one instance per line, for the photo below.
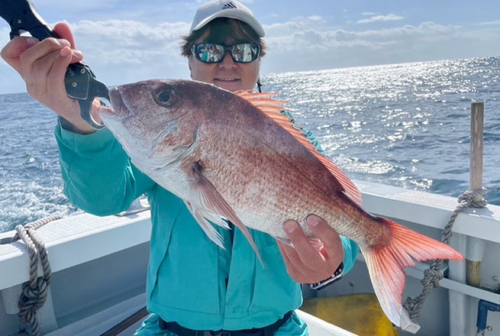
119 111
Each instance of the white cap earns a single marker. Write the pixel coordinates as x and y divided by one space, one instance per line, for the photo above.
225 9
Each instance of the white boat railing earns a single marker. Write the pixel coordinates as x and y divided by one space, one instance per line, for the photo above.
80 239
73 241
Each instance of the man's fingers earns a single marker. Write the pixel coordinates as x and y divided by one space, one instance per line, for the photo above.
42 50
58 69
46 72
12 51
62 29
328 236
314 262
42 65
290 253
305 251
292 262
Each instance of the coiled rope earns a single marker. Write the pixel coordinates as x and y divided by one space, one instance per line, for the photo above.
34 291
433 274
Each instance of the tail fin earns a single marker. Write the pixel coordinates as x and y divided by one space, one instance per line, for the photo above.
386 264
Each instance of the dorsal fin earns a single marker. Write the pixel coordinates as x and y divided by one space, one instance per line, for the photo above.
273 108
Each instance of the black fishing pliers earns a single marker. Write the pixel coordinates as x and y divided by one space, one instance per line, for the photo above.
80 81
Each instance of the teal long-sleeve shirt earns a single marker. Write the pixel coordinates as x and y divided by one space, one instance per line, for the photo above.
190 279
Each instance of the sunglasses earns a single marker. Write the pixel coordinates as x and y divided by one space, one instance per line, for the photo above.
215 53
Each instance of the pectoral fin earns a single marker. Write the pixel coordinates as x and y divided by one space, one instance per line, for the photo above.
207 203
201 216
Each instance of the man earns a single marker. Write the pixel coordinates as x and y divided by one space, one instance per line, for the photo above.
193 286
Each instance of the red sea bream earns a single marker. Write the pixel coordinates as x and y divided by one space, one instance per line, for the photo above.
236 156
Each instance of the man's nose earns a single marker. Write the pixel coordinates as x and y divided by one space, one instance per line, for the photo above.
227 62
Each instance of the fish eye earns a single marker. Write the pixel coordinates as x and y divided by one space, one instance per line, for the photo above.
164 96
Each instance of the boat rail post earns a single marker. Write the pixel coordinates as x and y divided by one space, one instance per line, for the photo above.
458 302
46 314
11 298
471 248
475 246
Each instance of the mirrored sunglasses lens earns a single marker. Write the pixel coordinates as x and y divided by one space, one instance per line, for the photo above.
209 53
201 52
245 52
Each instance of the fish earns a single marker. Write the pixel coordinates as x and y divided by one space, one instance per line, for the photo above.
236 157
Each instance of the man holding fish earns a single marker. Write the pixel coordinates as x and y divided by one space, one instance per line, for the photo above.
193 284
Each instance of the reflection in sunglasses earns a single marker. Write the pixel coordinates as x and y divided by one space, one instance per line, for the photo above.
214 53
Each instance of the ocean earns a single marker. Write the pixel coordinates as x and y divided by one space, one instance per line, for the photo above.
406 125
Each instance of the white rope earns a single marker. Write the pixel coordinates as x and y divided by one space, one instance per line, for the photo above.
34 291
433 274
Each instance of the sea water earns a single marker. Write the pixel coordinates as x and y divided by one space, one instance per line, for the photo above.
406 125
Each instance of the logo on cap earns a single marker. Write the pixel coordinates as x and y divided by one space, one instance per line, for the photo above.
229 5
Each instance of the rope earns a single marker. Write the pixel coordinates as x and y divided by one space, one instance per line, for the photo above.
34 291
433 274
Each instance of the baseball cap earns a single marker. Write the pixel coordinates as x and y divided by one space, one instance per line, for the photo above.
225 9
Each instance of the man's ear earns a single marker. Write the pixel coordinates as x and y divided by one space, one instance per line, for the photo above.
190 59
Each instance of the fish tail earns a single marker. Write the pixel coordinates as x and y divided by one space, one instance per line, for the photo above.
386 264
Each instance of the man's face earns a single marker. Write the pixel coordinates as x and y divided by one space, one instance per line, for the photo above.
227 74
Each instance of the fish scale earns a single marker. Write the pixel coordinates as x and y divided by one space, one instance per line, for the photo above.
256 177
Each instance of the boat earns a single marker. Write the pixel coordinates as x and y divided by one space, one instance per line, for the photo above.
98 270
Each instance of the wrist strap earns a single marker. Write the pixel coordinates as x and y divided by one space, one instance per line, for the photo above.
337 275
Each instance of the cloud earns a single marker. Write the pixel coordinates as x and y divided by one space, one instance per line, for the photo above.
153 11
490 23
307 48
315 18
381 18
44 7
296 29
367 13
4 36
120 51
296 24
123 51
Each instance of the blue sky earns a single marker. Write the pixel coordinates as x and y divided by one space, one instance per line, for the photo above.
125 41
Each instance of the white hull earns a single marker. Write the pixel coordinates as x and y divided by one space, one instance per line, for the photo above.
99 267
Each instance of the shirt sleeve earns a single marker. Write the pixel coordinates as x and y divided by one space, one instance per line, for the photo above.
98 175
351 248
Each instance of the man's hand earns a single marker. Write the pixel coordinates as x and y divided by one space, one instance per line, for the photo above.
304 262
42 65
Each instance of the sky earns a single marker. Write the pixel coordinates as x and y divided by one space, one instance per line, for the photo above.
128 41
